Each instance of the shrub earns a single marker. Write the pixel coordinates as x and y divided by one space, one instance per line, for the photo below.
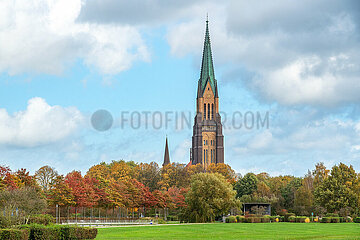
9 221
357 220
300 219
161 221
66 232
279 218
44 219
83 233
247 220
291 219
335 219
230 219
332 215
255 220
326 220
240 219
307 220
287 215
265 219
14 234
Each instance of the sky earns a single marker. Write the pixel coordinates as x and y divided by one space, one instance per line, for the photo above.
61 61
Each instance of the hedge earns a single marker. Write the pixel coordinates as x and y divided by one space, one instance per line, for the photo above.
273 218
332 215
287 215
326 220
59 232
255 219
300 219
291 218
44 219
240 219
14 234
230 219
332 220
161 221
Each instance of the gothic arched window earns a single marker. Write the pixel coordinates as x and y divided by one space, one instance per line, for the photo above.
204 110
208 110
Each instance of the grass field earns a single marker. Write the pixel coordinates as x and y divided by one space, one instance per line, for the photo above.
235 231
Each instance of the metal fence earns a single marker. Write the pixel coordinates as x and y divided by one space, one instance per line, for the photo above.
108 222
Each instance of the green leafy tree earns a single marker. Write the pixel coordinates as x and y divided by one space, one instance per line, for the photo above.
304 196
288 193
246 185
320 173
339 190
210 195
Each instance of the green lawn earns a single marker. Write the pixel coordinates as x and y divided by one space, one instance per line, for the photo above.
236 231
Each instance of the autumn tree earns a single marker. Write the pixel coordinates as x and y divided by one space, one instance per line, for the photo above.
223 169
6 178
173 175
60 193
194 169
101 172
148 174
121 170
45 177
82 189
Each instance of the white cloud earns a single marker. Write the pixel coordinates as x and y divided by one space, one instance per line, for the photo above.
182 152
39 124
44 37
294 55
295 141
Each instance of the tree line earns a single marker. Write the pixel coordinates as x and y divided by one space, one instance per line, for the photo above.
130 189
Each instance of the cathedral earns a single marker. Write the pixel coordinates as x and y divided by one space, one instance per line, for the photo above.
207 140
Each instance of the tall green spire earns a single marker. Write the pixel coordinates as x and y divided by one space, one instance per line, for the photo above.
207 68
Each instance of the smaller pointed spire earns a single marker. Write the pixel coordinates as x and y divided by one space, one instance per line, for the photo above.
166 154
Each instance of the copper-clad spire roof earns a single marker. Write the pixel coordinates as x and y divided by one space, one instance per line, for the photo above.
207 73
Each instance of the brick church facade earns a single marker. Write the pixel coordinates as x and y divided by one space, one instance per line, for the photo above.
208 140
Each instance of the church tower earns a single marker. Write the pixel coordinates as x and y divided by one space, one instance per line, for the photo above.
207 140
166 154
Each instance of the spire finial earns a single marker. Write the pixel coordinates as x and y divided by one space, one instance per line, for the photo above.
207 17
